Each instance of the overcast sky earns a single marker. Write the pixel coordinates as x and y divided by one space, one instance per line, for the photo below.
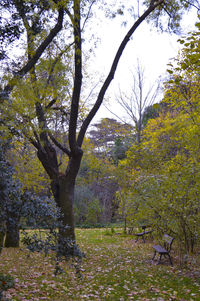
153 49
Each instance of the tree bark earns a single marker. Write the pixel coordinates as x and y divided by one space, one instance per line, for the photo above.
66 202
12 233
63 190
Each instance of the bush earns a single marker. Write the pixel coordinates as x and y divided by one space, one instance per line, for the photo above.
6 282
45 215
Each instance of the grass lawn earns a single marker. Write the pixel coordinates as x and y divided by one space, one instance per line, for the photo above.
115 268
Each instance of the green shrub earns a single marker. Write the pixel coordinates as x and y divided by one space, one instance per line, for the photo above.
6 282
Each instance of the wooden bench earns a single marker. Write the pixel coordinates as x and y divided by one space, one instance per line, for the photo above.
165 250
142 234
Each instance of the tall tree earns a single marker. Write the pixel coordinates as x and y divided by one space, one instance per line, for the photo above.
40 135
110 137
141 97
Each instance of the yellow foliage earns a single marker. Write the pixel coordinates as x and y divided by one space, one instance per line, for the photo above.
29 170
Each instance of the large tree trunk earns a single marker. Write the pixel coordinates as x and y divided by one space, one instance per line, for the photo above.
63 190
12 232
65 202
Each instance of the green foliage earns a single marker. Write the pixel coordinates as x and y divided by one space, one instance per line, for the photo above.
49 88
87 207
153 111
165 180
21 15
96 187
163 171
188 62
111 138
6 282
121 145
28 169
110 231
173 11
45 217
10 201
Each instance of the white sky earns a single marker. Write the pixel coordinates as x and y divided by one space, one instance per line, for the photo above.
154 50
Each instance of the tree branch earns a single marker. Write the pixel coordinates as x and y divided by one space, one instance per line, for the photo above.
111 74
77 79
61 109
56 61
38 52
59 145
88 14
51 103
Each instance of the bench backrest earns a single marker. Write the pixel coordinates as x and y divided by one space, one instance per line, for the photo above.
168 240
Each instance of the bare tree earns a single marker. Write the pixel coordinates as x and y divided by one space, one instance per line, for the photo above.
141 96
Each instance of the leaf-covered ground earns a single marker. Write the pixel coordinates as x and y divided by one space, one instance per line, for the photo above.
115 268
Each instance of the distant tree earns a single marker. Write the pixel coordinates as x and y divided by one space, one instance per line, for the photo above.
121 145
97 184
138 100
150 112
153 111
86 206
111 138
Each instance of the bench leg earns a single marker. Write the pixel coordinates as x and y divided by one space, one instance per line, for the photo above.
154 255
159 259
170 259
143 239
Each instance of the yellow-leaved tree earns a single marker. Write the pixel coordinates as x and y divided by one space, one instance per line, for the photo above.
164 170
